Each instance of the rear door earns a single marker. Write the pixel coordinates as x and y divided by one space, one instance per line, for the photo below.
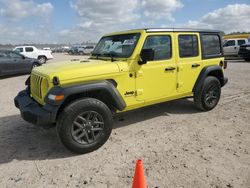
188 61
30 52
230 47
157 79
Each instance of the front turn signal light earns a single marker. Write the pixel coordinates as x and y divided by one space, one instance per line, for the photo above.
56 97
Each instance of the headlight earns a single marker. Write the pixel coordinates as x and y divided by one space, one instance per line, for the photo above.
248 48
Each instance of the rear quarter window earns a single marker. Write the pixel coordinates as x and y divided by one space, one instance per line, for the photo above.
211 45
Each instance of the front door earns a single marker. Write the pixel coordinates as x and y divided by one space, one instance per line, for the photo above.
157 79
188 61
6 66
230 48
20 64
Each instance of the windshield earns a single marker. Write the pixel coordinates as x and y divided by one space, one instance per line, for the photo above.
117 45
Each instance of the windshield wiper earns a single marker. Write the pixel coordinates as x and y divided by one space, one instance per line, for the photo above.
111 55
96 54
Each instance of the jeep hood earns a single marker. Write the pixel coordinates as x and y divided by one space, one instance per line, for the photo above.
77 69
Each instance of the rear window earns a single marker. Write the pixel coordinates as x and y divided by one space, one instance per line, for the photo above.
28 49
188 45
211 45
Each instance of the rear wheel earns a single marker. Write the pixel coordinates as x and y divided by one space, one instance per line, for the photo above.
42 59
85 125
209 95
247 59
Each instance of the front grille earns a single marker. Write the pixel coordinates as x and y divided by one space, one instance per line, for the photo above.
36 85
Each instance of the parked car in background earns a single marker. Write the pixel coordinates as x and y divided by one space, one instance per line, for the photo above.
73 50
231 46
12 63
33 52
81 50
244 51
47 48
88 49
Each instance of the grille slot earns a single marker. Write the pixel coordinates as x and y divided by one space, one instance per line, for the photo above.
36 85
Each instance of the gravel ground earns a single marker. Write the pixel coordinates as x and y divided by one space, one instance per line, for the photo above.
179 146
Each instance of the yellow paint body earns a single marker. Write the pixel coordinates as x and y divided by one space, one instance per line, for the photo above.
150 82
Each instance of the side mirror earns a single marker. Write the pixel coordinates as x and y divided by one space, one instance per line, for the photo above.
146 55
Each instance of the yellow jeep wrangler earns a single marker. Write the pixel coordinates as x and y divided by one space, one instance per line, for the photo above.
127 70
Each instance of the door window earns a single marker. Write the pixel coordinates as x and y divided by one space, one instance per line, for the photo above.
28 49
19 50
229 43
188 45
240 42
161 45
14 55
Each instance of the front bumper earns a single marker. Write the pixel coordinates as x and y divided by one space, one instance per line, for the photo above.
33 112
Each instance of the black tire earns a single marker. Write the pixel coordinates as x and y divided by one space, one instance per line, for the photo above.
69 126
209 95
247 59
35 65
42 59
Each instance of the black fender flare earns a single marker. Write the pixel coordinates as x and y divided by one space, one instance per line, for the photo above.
106 86
213 70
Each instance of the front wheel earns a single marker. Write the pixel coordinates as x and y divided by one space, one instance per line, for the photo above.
209 95
85 125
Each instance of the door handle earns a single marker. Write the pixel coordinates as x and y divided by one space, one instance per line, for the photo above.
196 65
169 68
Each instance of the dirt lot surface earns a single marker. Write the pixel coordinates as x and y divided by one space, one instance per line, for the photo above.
179 146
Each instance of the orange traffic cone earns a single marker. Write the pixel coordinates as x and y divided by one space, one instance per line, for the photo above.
139 178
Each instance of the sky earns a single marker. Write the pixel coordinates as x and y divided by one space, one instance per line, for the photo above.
75 21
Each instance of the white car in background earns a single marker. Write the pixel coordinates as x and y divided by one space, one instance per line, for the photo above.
231 46
33 52
85 49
